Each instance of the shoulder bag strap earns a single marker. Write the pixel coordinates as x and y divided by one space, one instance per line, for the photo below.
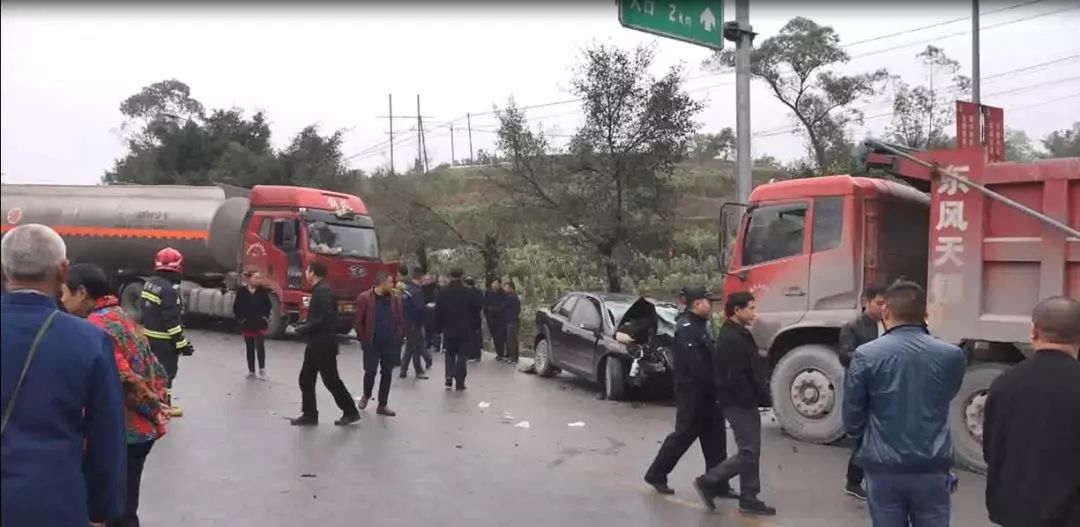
10 407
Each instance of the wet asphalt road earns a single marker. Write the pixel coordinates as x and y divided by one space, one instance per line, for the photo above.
234 460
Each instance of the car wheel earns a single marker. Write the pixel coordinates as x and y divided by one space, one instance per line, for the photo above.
808 392
542 359
614 379
966 415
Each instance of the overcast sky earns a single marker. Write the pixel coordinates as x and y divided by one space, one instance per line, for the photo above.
65 69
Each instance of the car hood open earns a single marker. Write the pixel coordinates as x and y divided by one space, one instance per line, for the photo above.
659 317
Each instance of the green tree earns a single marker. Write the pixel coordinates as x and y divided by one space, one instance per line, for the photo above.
1018 146
612 193
315 160
721 145
921 116
1063 143
798 66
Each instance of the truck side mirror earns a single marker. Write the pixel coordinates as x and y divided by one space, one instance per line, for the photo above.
731 214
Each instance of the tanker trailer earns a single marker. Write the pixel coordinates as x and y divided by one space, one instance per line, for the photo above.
219 229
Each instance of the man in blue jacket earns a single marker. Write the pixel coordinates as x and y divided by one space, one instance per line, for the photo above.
64 443
896 403
415 311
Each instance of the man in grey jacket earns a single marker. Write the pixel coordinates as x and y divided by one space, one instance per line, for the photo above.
896 402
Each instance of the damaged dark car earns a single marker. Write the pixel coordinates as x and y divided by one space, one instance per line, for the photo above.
621 342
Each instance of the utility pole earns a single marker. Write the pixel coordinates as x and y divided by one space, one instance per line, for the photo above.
391 100
975 95
468 117
742 34
451 145
422 147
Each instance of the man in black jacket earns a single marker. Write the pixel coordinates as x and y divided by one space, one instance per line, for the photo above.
511 315
320 355
1031 430
476 351
866 327
697 416
740 388
457 315
494 298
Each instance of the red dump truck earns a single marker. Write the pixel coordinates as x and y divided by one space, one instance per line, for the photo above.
988 240
220 230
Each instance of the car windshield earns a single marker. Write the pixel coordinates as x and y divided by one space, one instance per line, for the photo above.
342 240
616 310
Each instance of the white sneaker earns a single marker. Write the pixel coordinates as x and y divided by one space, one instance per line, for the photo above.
262 374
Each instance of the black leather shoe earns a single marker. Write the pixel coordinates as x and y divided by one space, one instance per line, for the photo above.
348 419
660 486
305 420
707 496
727 492
756 507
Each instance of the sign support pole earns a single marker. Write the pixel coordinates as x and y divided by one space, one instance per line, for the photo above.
742 99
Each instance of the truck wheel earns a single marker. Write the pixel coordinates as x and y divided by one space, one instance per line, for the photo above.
542 359
129 299
966 415
614 379
808 392
276 328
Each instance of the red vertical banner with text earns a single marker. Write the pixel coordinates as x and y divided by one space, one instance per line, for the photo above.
967 124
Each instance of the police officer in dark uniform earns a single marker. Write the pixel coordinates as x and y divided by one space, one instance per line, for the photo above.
159 313
697 416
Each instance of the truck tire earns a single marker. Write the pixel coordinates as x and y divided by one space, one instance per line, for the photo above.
276 328
966 415
129 299
808 391
614 379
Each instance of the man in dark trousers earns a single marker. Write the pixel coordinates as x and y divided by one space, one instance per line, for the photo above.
160 310
511 315
1031 431
476 352
697 416
897 393
320 355
380 325
494 298
740 388
432 339
415 310
866 327
457 316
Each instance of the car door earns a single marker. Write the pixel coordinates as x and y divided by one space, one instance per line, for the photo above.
557 324
774 265
582 334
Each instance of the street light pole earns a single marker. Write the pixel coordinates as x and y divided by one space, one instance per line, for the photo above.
742 34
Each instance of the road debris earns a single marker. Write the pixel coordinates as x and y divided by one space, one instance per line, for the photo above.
576 424
483 405
522 424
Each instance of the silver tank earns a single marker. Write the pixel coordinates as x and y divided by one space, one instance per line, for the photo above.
121 227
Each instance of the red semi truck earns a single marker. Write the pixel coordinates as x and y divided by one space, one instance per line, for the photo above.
988 241
220 230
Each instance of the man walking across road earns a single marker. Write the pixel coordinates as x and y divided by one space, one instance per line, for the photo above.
457 317
740 389
511 315
697 414
380 326
1031 431
866 327
64 440
415 308
896 402
320 355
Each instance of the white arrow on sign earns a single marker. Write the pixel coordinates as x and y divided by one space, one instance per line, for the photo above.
708 20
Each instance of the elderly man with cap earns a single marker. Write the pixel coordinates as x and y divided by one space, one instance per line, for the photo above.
697 416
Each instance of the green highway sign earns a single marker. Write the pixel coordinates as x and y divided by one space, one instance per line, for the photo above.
694 21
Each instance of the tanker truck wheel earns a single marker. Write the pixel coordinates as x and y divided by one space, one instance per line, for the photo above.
276 329
807 392
966 415
129 299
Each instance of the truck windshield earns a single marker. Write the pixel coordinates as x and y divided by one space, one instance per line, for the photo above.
335 239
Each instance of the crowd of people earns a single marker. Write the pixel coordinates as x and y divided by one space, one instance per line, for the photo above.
79 421
898 387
